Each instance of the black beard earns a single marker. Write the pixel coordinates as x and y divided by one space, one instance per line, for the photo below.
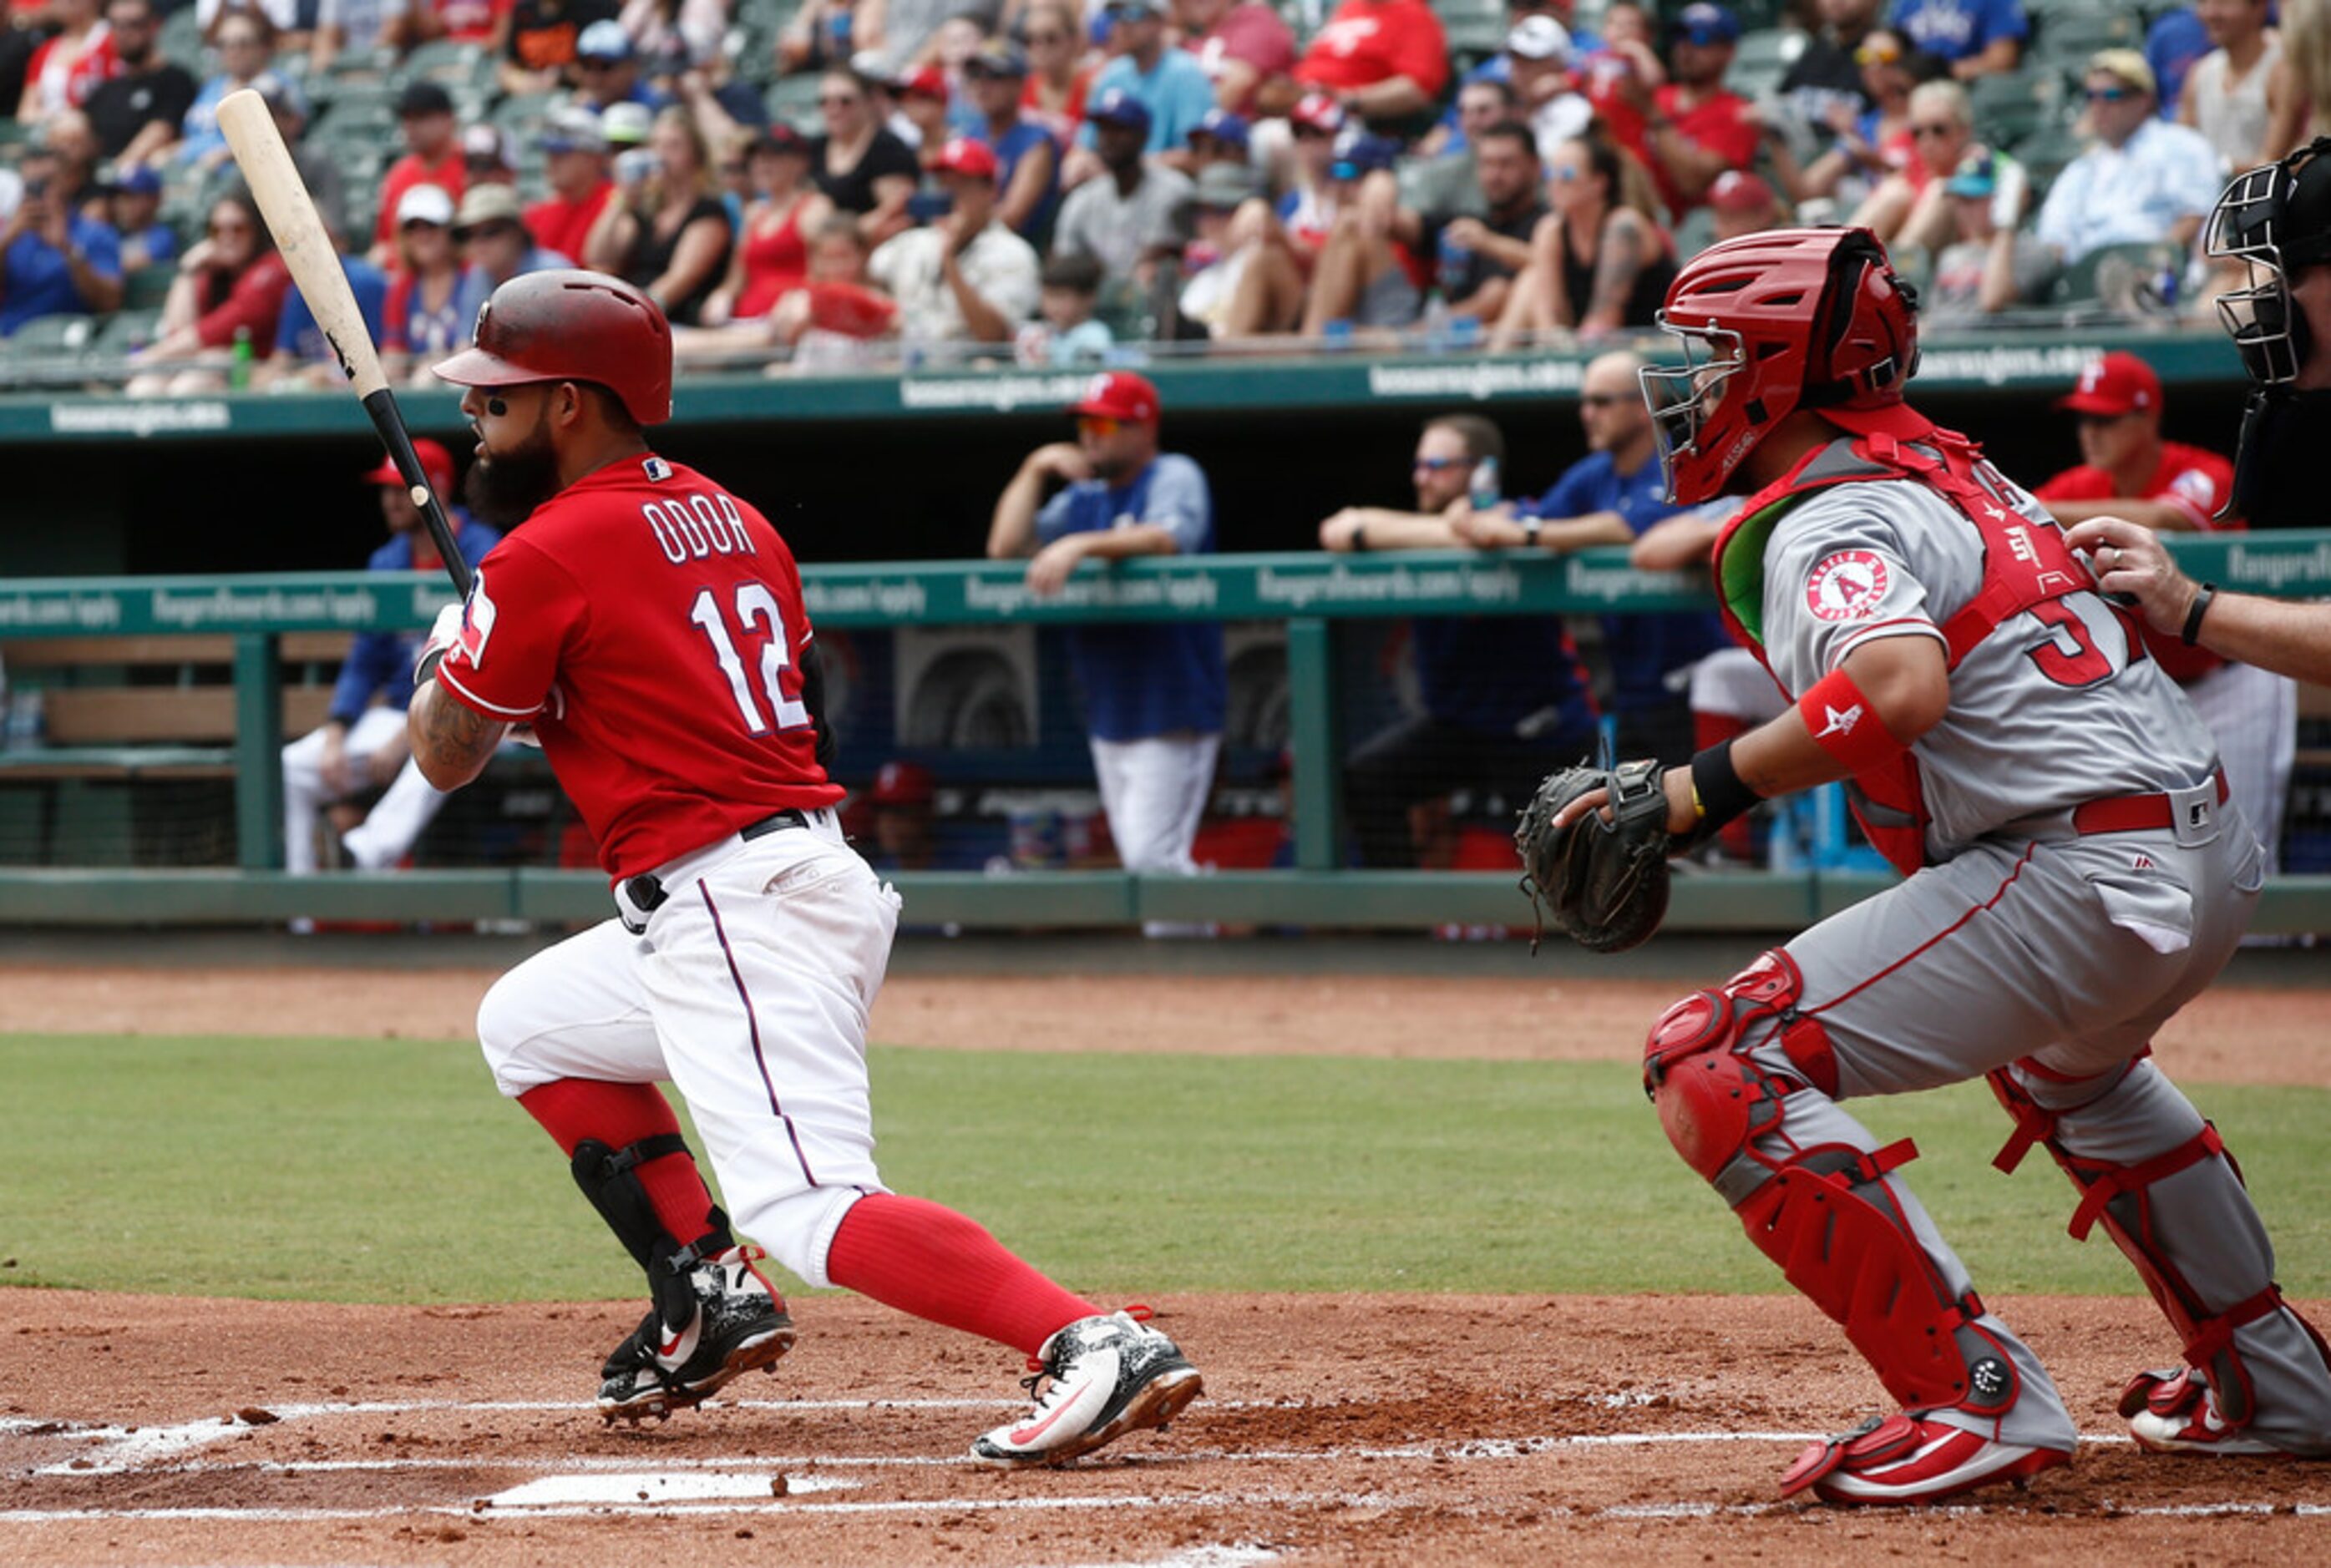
503 491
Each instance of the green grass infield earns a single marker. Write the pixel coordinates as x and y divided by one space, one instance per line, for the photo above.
392 1172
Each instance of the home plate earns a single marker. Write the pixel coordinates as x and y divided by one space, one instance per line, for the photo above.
689 1486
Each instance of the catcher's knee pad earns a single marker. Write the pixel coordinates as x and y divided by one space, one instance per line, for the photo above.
1823 1212
2152 1223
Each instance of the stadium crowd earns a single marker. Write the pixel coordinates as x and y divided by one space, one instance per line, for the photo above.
833 184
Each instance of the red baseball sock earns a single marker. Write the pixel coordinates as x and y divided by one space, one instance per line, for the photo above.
618 1115
943 1267
1708 729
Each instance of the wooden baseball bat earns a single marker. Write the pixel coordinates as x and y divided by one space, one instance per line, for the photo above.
249 126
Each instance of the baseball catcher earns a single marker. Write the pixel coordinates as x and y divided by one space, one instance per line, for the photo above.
2074 873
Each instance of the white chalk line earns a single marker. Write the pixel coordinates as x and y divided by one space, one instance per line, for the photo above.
760 1470
478 1512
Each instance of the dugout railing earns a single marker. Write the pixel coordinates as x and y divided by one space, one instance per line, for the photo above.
1310 594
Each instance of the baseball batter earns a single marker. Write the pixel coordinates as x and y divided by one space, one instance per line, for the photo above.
2075 874
648 626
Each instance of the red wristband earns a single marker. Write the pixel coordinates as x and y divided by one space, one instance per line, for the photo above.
1845 724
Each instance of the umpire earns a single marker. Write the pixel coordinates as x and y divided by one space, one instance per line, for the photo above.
2276 221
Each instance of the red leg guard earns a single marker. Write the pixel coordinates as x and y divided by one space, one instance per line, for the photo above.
2117 1195
1824 1213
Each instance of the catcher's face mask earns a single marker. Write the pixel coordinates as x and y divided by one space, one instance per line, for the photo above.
1683 398
2268 219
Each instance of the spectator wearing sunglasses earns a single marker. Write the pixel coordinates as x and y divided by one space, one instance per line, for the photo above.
1978 37
2144 179
1155 695
1502 700
1613 496
230 285
1170 84
1866 145
1694 128
1937 130
865 170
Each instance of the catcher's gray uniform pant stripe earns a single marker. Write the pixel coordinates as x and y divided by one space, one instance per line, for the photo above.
2052 950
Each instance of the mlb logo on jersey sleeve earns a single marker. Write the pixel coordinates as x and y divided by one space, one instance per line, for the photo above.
1849 585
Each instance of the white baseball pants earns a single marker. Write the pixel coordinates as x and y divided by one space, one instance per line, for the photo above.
1154 790
394 822
748 991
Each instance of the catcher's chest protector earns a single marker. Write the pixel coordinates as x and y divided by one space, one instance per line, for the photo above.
2025 563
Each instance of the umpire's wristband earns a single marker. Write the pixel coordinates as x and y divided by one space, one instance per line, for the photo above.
1717 794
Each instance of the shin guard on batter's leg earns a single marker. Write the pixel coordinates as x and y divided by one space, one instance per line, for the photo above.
2258 1375
1744 1087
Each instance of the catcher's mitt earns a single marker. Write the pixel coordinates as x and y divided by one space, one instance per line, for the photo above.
1603 883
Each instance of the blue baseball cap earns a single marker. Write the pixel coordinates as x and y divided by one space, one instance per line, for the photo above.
1366 153
1119 108
1228 129
136 180
1976 176
1706 22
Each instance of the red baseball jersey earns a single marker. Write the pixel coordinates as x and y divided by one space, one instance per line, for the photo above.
2197 483
649 626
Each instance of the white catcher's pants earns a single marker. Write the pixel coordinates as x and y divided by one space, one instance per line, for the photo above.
749 992
388 830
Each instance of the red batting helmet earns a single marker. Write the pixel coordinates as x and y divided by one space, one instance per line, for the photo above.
572 326
1770 323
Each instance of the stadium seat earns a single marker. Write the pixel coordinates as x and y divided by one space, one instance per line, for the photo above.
124 330
2121 278
2065 43
448 61
794 98
2012 106
51 337
147 288
2044 154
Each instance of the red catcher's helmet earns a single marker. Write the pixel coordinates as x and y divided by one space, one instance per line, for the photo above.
572 326
1770 323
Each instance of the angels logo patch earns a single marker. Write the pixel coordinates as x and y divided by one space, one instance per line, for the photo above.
1848 586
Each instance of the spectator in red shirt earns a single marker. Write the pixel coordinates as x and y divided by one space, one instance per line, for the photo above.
1694 129
433 157
2131 472
771 257
230 287
1058 80
1244 44
64 72
1382 59
575 164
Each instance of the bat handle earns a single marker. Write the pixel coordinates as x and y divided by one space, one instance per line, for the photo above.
385 419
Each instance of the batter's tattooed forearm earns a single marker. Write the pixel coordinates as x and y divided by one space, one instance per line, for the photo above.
450 737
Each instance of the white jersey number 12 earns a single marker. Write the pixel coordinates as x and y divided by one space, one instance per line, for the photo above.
755 604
